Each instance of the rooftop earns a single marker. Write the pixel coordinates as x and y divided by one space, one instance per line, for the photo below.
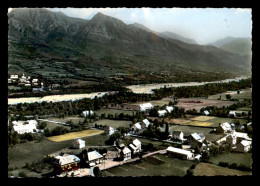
180 151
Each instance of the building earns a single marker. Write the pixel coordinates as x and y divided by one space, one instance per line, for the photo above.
109 130
177 135
37 89
78 143
14 77
86 113
65 163
94 158
206 112
179 153
136 127
237 137
243 146
145 107
197 137
169 109
161 113
22 127
224 128
135 146
232 113
146 122
125 154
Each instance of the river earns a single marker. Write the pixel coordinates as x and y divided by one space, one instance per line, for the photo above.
146 89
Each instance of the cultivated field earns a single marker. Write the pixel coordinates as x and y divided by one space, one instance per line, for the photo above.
238 158
113 123
244 94
164 101
203 118
157 165
198 103
207 169
74 135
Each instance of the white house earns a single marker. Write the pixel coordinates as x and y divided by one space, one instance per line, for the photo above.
78 143
136 127
14 76
177 135
232 113
169 109
137 144
145 107
110 130
206 112
162 113
224 128
243 146
179 153
94 158
86 113
126 154
22 127
146 122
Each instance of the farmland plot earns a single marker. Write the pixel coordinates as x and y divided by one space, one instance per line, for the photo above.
113 123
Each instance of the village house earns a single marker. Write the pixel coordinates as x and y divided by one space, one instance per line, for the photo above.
86 113
161 113
109 130
125 154
237 137
177 135
136 127
94 158
224 128
22 127
169 109
145 107
146 122
78 143
196 137
243 146
206 112
232 113
179 153
135 146
65 163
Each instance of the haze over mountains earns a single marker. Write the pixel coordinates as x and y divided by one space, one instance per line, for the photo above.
107 41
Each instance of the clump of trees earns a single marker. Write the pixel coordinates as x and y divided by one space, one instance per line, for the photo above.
235 166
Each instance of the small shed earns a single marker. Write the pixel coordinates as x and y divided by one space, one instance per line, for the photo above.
146 122
206 112
169 109
162 113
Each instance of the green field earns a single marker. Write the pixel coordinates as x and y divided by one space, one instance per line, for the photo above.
171 167
218 120
51 125
238 158
113 123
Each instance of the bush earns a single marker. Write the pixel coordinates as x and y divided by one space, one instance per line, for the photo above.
223 164
233 166
244 168
189 172
22 174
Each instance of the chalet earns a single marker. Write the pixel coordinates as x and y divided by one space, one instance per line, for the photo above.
177 135
206 112
179 153
78 143
243 146
109 130
86 113
169 109
146 122
224 128
22 127
136 127
94 158
65 163
232 113
145 107
161 113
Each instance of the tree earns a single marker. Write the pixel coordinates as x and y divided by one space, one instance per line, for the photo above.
97 172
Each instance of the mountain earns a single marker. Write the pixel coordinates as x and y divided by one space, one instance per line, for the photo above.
223 41
41 41
138 25
172 35
241 46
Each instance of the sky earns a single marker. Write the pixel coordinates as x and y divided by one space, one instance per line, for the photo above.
204 25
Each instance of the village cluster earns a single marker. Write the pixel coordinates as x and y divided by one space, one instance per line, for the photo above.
189 147
26 81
